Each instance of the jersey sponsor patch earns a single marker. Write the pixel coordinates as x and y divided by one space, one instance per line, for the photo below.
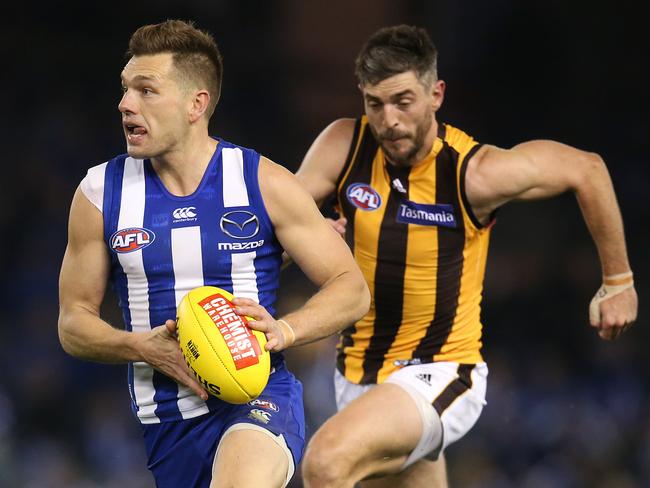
240 224
240 246
260 416
363 196
264 404
131 239
441 214
425 377
184 214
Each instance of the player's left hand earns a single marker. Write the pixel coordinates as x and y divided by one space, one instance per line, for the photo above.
275 338
615 314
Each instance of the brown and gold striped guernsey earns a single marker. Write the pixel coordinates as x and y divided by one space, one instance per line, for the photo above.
422 252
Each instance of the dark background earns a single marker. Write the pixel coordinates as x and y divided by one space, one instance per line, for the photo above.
564 408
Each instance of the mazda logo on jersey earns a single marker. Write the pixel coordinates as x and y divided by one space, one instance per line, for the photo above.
363 196
131 239
240 224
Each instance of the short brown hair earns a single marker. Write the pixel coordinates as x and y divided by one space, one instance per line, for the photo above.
195 53
394 50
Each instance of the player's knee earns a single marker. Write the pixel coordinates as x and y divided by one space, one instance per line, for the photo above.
326 462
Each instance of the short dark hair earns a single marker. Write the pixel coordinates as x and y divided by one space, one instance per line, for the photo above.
394 50
195 53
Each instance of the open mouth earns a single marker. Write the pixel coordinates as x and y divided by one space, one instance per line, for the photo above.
134 132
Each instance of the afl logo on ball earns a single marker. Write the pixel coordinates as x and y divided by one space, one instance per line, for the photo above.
132 239
363 196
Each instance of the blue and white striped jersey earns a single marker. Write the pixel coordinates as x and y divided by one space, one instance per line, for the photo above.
162 245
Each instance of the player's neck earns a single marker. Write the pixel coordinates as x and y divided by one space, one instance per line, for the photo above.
427 146
181 170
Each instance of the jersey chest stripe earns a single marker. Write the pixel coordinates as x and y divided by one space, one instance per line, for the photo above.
144 391
419 278
388 280
451 243
244 278
234 185
188 273
360 170
370 170
132 215
465 333
235 194
187 260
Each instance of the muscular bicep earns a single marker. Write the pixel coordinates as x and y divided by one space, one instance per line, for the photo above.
84 272
325 159
305 235
529 171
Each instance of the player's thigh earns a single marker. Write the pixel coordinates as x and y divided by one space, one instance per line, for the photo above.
278 415
181 453
249 456
421 474
374 433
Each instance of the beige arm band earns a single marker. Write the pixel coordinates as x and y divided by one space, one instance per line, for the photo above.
612 285
287 332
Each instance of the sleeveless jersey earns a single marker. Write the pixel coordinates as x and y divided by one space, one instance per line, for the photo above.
422 252
161 246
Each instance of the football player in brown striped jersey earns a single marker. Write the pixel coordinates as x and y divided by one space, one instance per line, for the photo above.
417 199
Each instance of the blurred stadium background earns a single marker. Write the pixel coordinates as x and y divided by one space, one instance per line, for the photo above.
564 409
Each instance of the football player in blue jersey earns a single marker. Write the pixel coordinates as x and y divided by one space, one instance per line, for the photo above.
183 209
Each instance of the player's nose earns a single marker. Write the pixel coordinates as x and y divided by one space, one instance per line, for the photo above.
390 117
127 103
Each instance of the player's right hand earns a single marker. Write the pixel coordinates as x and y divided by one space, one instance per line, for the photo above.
264 322
338 225
159 348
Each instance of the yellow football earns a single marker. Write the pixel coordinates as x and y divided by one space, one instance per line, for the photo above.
226 356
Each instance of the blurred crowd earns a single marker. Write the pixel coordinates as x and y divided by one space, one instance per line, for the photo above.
564 408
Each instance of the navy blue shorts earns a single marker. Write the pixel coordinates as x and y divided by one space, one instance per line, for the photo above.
181 454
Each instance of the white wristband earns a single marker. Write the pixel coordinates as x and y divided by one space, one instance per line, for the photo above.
619 279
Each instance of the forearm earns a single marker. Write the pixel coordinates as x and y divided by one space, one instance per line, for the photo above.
597 200
336 305
86 336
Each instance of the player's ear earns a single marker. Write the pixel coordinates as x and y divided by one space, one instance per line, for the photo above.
437 93
199 104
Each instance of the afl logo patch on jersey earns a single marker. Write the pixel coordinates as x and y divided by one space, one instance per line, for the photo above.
363 196
131 239
264 404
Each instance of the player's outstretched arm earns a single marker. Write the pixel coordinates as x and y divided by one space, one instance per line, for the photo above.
542 169
325 258
82 285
